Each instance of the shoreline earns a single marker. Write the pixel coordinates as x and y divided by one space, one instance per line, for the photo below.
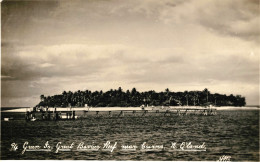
22 109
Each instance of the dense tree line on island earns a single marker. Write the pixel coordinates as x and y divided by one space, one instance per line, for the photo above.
118 97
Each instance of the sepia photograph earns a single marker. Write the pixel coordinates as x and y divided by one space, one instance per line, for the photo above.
130 80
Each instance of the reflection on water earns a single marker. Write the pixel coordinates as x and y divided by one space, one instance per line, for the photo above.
231 133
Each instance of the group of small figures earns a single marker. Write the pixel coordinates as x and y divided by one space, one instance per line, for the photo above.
49 115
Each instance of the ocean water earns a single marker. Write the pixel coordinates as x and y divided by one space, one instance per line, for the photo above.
230 133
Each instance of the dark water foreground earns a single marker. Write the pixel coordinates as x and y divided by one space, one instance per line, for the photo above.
234 134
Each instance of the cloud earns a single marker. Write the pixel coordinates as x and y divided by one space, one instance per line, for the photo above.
240 19
57 60
46 65
182 45
5 77
235 19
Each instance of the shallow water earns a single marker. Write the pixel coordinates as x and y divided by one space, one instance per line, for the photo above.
230 133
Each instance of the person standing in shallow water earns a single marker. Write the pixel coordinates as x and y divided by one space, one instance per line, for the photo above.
56 116
43 117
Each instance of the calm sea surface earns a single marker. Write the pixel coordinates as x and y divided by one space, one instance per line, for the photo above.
230 133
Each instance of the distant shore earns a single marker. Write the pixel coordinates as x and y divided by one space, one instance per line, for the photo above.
24 109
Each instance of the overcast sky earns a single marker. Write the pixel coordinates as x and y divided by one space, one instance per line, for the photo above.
52 46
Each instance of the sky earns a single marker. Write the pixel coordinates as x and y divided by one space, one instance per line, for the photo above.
48 47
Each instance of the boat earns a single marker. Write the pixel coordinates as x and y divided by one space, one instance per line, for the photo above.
33 119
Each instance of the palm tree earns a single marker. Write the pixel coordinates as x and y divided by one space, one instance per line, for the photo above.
205 91
135 98
167 90
42 97
195 97
186 94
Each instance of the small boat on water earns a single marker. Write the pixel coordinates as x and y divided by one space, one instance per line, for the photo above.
7 119
33 119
